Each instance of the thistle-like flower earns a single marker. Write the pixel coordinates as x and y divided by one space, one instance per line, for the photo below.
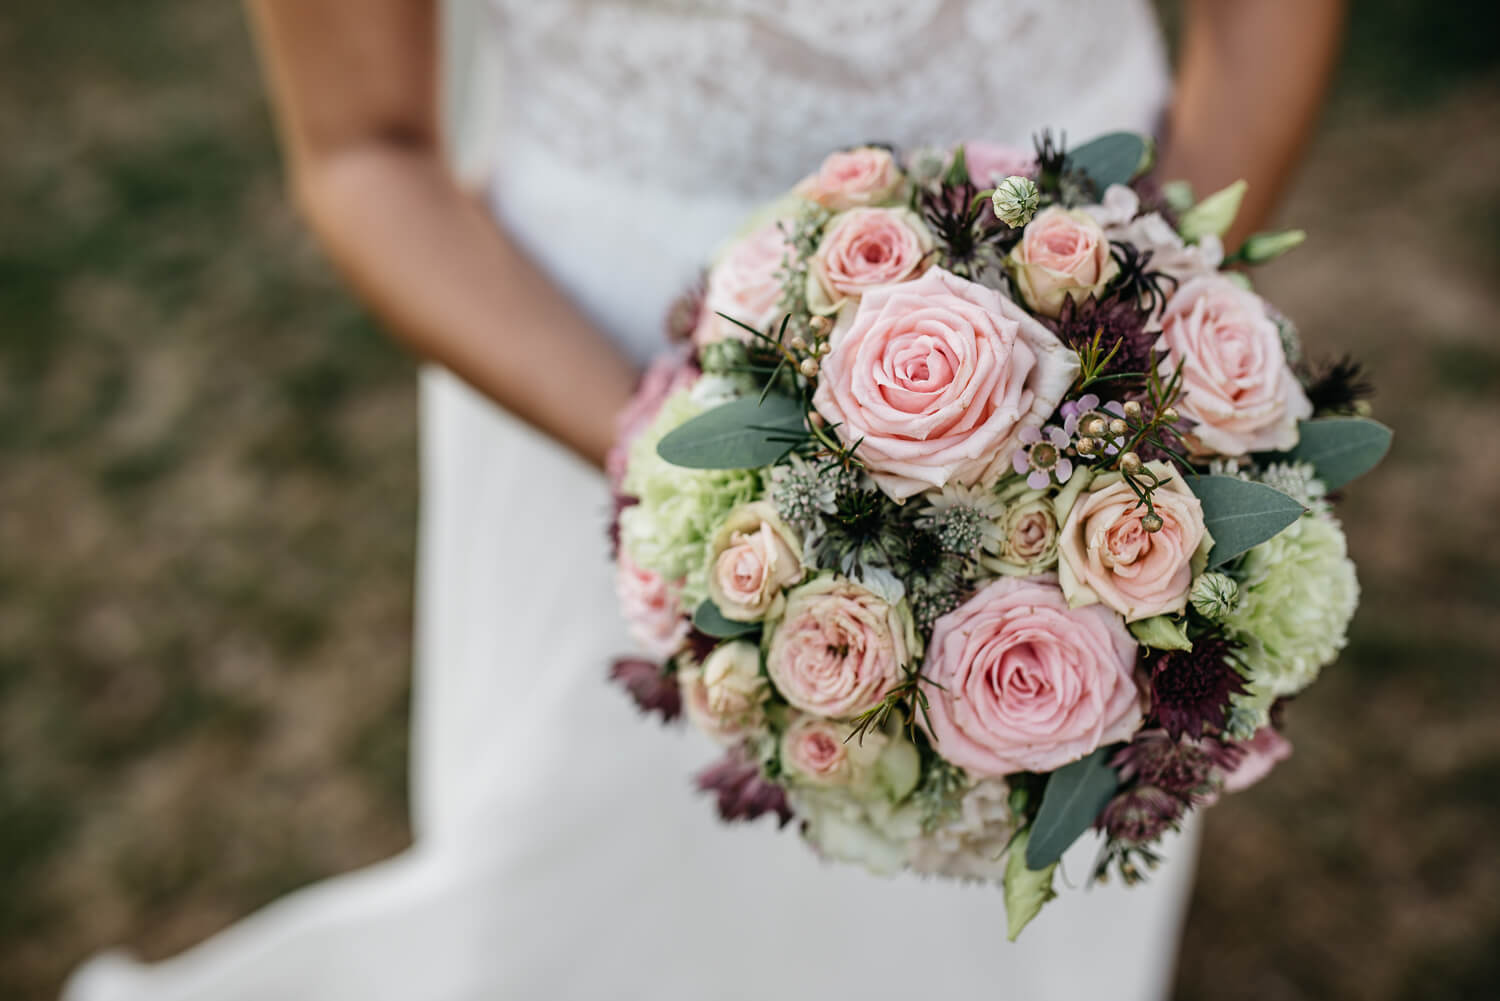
1016 199
1214 595
1299 481
653 689
1140 814
964 519
803 492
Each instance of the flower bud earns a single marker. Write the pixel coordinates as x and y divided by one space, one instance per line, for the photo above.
1016 200
1262 247
1152 523
1214 215
1214 595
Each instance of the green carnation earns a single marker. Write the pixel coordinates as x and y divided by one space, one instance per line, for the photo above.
679 509
1297 594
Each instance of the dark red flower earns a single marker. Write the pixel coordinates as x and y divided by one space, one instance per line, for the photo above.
619 502
743 793
1184 768
1115 320
1190 689
1140 814
653 689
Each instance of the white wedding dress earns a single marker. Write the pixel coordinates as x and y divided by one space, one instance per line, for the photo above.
560 851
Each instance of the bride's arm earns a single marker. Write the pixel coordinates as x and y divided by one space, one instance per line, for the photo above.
1250 79
355 89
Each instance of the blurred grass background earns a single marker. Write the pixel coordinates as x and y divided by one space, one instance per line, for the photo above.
207 514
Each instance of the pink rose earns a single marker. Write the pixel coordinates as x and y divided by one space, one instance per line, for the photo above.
1236 383
853 178
664 376
752 557
1106 555
990 163
813 749
838 648
1023 683
653 610
745 283
865 249
1062 254
1263 751
936 377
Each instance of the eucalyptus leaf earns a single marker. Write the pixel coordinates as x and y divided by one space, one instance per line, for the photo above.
707 619
1026 889
1113 158
1162 632
1071 801
743 434
1240 514
1341 449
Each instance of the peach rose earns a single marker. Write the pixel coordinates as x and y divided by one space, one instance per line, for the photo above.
726 729
865 249
838 648
990 163
935 378
654 616
1063 253
853 178
1023 683
1236 383
752 557
1106 555
733 686
744 283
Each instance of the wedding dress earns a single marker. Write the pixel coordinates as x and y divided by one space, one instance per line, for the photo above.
560 851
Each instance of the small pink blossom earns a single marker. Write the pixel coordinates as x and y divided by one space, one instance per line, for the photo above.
853 178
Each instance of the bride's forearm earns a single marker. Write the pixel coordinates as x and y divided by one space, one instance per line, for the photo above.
1250 79
451 285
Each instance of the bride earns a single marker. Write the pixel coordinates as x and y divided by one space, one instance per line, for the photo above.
559 851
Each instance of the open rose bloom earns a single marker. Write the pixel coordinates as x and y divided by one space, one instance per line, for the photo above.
972 533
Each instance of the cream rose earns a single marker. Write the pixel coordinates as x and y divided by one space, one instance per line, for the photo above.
727 729
935 378
745 283
1026 542
733 685
837 647
853 178
1022 682
1236 383
752 557
1062 254
1107 555
862 250
652 606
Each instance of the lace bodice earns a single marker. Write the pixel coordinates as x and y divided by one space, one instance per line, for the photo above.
745 95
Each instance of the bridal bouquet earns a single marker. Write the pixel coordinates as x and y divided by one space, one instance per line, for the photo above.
981 506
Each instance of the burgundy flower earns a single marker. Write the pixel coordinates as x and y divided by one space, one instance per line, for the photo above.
618 503
653 689
1140 815
743 793
1190 688
1183 768
1115 319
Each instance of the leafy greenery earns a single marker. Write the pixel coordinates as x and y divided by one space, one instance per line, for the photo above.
707 619
1026 888
1113 158
1071 801
1341 449
1240 514
743 434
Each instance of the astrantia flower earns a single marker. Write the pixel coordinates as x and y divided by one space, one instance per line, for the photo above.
803 492
963 518
1042 457
1184 768
679 509
742 792
1298 593
1191 688
1140 814
1120 324
654 690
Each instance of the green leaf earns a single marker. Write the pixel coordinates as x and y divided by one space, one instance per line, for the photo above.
1214 215
1026 889
1113 158
1239 514
1162 632
1259 248
742 434
707 619
1074 795
1341 449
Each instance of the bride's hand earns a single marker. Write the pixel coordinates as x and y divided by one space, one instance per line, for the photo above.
354 83
1249 83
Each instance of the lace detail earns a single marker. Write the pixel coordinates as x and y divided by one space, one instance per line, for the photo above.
742 96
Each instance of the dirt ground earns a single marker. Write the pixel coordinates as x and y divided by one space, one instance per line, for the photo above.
207 513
